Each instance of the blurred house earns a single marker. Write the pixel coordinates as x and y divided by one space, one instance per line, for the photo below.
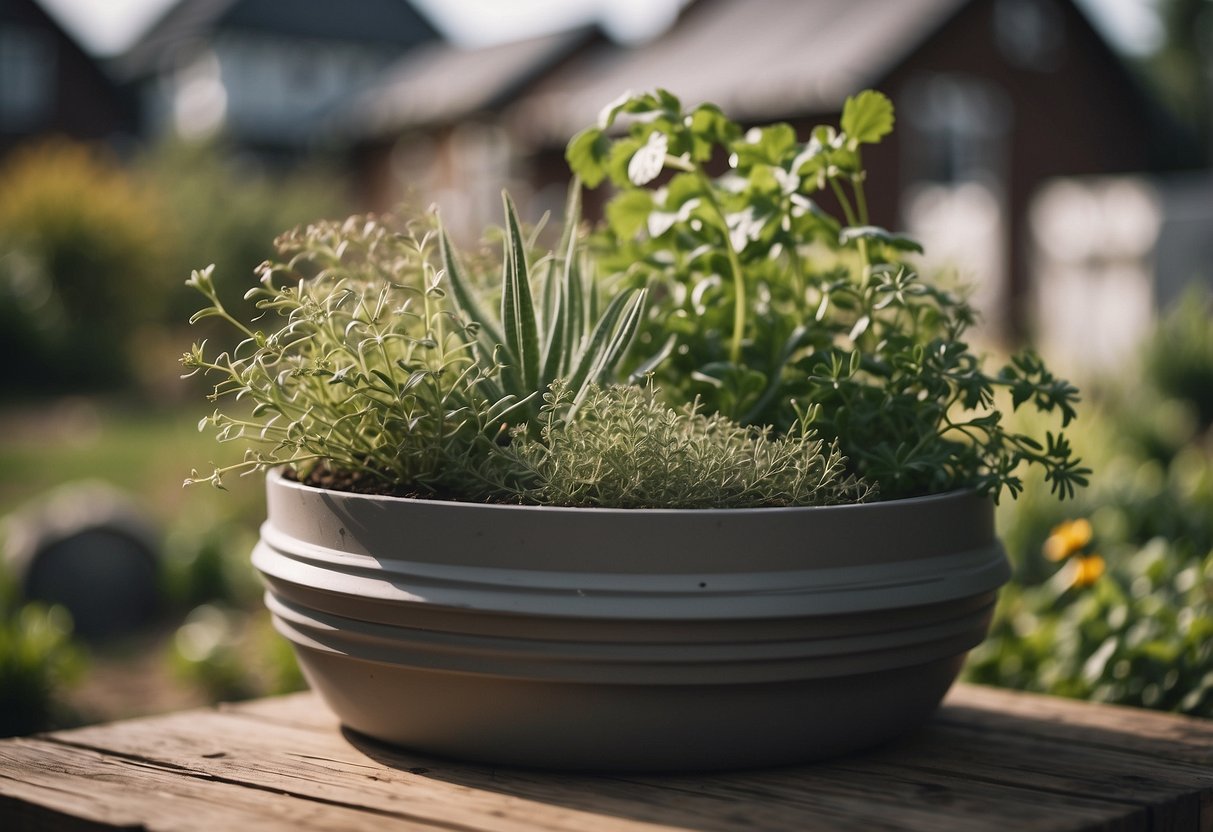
48 85
263 72
1109 253
431 128
994 98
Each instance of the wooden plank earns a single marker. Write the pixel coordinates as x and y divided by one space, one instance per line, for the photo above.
375 775
294 759
82 789
1171 736
1175 793
1168 735
991 760
299 761
302 710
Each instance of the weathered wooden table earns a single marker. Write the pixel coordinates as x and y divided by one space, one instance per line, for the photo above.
990 760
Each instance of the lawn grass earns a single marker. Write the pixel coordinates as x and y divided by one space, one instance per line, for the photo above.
147 452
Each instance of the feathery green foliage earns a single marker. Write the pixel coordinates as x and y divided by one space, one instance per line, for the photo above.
368 372
364 372
624 448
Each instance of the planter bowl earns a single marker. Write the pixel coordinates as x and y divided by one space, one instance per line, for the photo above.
605 639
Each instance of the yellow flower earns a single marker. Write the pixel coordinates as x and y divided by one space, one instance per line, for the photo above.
1067 539
1087 570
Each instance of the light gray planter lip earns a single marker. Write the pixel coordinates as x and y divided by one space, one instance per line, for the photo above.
623 563
640 541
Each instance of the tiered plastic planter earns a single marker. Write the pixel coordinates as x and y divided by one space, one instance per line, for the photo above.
629 639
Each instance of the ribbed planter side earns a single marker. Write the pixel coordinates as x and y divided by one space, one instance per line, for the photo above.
609 639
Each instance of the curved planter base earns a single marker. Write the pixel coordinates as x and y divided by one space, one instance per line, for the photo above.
629 640
569 726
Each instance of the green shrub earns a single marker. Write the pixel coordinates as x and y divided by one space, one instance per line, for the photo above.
365 373
361 371
82 266
231 654
37 661
1142 632
225 209
1179 357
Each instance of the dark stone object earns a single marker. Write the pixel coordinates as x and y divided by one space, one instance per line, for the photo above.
87 547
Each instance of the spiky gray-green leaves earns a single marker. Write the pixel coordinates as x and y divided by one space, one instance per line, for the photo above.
527 346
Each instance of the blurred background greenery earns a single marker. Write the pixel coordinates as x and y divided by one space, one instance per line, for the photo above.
86 243
1122 610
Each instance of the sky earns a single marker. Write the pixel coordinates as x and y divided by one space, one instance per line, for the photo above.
106 27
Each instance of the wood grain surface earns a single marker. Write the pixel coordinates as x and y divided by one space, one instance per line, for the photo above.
990 760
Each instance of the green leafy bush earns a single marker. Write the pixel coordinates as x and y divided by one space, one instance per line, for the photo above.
762 300
231 654
223 208
1140 632
82 265
37 661
376 378
1179 359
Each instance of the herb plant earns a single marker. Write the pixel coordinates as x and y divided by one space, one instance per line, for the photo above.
376 378
369 378
763 302
799 357
627 449
528 346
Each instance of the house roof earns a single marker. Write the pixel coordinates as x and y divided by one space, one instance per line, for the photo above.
89 76
440 83
758 59
390 23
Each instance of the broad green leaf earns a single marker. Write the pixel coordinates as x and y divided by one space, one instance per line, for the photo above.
608 114
901 242
647 162
628 212
867 117
682 187
587 155
764 145
669 103
710 127
620 157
